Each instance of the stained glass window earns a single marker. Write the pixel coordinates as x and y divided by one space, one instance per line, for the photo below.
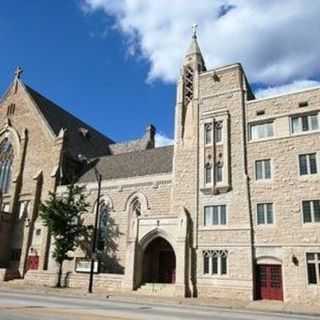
6 160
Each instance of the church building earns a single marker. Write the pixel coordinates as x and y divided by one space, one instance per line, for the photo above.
231 209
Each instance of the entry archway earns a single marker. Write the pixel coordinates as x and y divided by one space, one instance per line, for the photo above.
159 262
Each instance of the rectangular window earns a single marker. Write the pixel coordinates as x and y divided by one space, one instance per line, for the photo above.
265 213
218 132
305 123
219 173
215 215
215 262
313 268
263 169
311 211
261 130
208 175
308 164
208 133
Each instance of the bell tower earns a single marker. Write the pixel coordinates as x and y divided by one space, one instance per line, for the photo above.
188 93
186 160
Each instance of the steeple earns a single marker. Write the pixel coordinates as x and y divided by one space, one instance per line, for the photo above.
194 55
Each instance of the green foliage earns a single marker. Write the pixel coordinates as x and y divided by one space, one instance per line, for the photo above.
63 217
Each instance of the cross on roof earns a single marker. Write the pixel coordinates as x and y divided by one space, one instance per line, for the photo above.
194 31
18 72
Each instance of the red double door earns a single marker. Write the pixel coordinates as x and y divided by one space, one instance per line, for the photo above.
33 263
269 282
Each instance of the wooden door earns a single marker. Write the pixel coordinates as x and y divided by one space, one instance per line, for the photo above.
33 263
269 282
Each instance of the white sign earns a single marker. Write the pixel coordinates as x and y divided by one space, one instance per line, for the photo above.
84 265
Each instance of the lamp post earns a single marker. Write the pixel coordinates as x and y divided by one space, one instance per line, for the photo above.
95 234
98 175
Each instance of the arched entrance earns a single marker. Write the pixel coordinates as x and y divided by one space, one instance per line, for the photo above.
159 262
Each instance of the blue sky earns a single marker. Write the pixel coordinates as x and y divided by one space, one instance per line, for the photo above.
114 63
67 56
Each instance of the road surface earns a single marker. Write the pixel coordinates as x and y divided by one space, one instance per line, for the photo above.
27 306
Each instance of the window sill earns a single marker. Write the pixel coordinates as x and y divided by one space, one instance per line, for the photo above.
297 134
265 225
309 176
262 181
214 227
262 139
310 224
219 188
213 277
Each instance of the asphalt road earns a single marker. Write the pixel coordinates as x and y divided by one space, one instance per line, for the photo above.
27 306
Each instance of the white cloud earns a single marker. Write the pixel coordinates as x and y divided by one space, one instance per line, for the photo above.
162 140
276 41
286 88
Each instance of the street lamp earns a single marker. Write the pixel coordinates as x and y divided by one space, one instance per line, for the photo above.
95 234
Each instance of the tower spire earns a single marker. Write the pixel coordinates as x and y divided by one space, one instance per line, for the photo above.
194 53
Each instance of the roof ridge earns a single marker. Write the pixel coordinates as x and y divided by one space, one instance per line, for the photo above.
135 151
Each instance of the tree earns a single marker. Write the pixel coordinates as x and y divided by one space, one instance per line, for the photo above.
63 217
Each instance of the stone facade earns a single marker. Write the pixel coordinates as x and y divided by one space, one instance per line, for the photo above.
222 213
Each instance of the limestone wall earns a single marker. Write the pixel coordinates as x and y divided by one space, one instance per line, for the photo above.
221 99
288 236
154 194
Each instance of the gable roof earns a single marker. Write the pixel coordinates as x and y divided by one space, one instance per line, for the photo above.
131 164
92 144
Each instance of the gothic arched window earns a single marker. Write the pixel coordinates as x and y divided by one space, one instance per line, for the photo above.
103 225
136 207
6 160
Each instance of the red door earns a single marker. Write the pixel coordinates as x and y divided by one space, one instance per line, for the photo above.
269 282
33 263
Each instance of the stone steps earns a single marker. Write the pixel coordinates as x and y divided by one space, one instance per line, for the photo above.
157 289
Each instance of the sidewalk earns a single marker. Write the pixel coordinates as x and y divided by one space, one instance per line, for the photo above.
134 297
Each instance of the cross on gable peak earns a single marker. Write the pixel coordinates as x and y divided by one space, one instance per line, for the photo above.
194 31
18 72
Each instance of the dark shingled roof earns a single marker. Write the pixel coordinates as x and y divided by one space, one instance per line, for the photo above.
132 164
94 145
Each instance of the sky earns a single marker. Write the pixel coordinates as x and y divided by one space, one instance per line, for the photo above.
114 63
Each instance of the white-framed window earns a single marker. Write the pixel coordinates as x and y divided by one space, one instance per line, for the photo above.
305 123
208 174
218 131
313 268
208 133
263 169
215 262
261 130
265 213
311 211
215 215
219 172
308 164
